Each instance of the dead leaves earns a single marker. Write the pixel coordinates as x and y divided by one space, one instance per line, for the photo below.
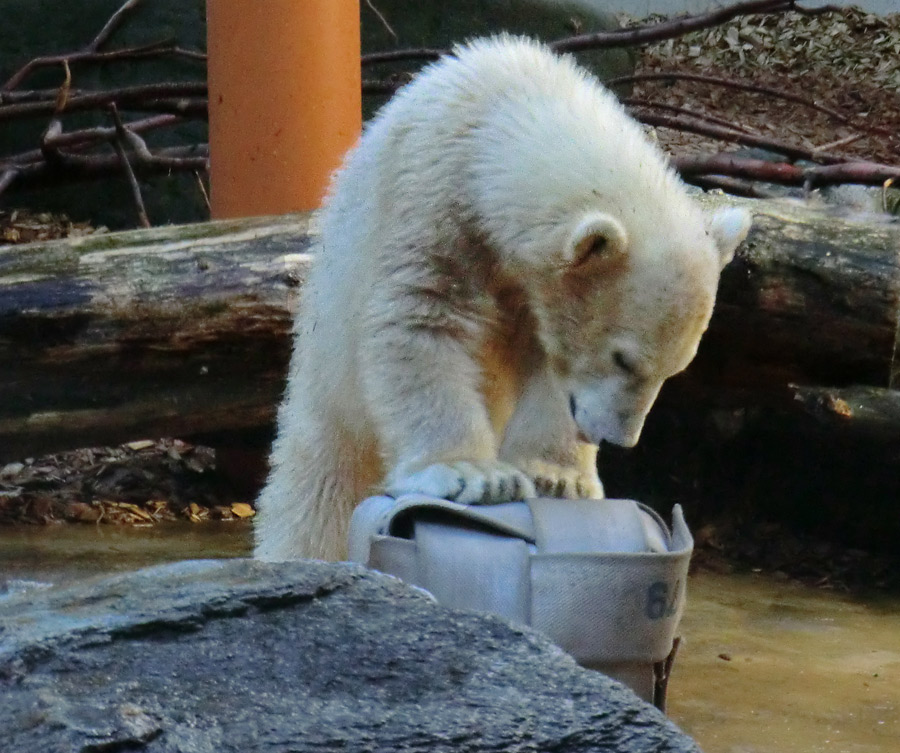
22 226
849 43
140 483
846 61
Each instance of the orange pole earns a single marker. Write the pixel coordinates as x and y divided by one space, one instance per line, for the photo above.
284 101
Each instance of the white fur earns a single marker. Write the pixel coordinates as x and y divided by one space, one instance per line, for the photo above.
503 239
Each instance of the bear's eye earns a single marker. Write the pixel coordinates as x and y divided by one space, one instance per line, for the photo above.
624 363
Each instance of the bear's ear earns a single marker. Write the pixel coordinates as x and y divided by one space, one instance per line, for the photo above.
728 227
596 236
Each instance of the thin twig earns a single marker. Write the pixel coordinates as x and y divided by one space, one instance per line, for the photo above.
203 190
119 144
156 49
392 56
71 167
792 151
114 22
853 137
703 117
383 20
189 54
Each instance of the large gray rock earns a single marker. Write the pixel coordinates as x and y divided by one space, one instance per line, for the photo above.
235 655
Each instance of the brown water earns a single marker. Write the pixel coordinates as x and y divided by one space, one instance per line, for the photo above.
772 667
63 553
765 667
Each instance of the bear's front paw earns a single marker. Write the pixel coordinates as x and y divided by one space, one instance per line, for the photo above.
552 480
470 483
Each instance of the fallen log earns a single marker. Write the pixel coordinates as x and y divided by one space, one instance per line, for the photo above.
812 297
167 332
184 331
853 413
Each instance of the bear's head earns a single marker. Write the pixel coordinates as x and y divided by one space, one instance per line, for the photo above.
623 308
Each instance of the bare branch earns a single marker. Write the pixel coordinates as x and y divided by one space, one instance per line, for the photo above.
89 167
156 49
372 86
393 56
88 137
730 83
684 111
865 173
676 27
147 96
838 142
119 143
383 20
738 137
623 37
733 186
203 190
112 25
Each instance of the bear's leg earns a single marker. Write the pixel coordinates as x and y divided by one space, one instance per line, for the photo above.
542 439
319 473
432 424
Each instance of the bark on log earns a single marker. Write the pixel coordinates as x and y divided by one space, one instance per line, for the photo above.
167 332
853 413
184 331
811 298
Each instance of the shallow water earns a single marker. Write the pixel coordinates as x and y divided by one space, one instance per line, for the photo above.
805 670
64 553
765 666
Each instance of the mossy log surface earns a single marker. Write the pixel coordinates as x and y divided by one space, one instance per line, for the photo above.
184 331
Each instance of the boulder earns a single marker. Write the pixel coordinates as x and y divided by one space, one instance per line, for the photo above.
237 655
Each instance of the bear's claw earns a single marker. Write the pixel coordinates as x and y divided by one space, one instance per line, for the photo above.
552 480
467 482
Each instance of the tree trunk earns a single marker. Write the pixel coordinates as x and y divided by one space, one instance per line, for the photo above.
184 331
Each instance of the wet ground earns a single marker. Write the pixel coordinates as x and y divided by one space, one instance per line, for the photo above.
767 666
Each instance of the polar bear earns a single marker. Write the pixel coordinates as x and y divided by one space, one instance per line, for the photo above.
508 272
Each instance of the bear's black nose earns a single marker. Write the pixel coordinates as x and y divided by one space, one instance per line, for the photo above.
572 406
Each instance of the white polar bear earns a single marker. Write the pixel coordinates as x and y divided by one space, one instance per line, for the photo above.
508 273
